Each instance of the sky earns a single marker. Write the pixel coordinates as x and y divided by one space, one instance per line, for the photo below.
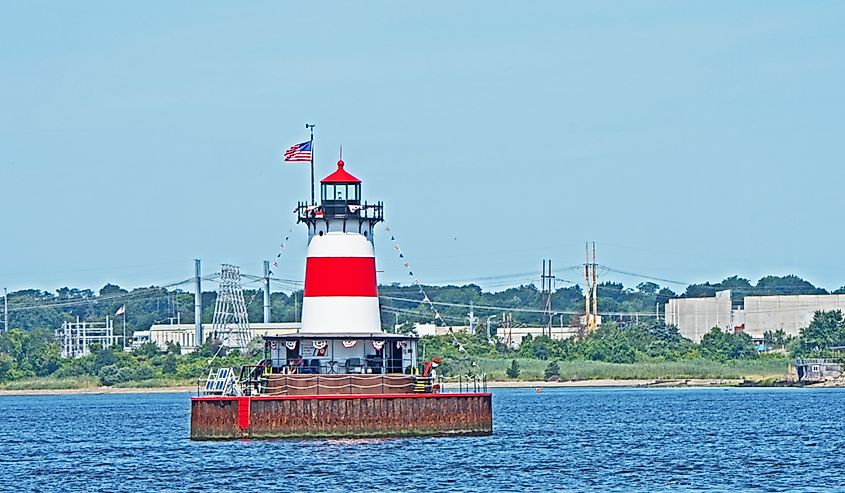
690 140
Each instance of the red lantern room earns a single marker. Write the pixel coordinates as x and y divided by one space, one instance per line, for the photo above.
340 190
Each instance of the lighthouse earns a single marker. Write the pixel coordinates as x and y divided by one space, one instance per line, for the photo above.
339 375
341 293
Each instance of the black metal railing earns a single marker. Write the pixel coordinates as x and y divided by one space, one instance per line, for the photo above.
340 209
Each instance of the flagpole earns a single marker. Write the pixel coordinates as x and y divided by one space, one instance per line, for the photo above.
124 328
310 126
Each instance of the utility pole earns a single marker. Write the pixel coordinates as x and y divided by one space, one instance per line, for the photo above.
591 278
543 298
5 310
595 284
547 281
198 338
588 288
266 291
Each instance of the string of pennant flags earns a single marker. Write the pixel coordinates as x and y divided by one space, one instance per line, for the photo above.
282 246
437 316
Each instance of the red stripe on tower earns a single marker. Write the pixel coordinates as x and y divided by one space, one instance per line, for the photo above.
343 276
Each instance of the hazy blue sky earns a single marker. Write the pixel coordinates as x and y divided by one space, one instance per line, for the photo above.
691 140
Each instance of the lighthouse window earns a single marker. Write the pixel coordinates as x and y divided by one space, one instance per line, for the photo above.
340 192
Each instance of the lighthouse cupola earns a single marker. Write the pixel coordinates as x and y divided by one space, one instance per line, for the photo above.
340 294
341 207
340 190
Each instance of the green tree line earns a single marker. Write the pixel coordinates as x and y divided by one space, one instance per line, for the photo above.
35 353
32 308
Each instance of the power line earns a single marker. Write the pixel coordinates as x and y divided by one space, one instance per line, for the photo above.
98 299
512 309
643 276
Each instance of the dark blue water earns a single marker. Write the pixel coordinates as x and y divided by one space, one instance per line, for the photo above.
567 439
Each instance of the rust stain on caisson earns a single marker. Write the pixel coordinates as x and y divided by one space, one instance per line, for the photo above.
342 416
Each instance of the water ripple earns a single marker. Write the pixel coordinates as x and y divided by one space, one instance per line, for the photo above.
559 440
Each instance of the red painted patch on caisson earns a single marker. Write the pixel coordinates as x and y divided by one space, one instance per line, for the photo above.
340 276
243 412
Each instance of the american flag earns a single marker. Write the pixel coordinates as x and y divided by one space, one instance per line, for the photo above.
298 153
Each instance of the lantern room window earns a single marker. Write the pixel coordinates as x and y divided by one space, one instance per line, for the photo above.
349 193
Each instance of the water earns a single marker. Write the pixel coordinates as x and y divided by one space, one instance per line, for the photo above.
561 439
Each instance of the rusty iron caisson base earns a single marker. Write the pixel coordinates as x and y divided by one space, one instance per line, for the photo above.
341 416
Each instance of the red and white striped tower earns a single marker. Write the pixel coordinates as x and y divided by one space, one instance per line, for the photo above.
341 294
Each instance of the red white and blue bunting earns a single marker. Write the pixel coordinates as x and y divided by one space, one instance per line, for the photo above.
318 345
378 345
349 344
291 345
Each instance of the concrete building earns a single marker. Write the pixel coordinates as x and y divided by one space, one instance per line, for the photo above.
184 334
512 335
437 330
138 339
790 313
515 335
694 317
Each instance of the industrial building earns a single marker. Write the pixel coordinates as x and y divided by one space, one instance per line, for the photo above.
694 317
185 334
789 313
512 336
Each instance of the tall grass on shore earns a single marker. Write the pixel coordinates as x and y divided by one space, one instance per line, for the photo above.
51 383
532 369
153 383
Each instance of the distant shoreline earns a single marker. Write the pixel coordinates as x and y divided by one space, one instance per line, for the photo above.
98 390
607 382
598 383
503 384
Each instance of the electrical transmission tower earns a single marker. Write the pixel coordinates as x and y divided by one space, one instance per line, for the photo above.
231 323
